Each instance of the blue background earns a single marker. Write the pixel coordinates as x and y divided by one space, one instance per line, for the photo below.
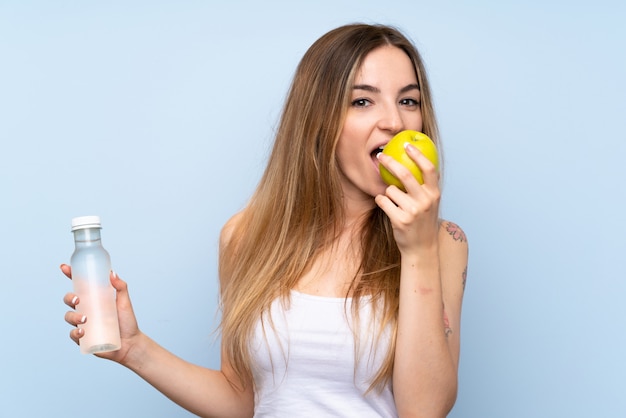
158 116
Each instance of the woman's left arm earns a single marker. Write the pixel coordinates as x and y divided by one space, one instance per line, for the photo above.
433 267
428 339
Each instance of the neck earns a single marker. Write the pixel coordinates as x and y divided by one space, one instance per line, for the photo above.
355 212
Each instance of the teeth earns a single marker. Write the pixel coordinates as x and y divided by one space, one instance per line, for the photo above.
378 150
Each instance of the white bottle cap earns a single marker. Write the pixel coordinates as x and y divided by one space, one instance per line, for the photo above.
84 222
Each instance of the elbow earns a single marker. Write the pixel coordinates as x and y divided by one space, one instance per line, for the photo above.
448 398
451 399
432 405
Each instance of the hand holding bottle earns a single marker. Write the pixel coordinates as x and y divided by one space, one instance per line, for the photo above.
129 331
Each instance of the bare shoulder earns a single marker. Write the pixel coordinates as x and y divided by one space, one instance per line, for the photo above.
227 248
452 240
453 231
226 235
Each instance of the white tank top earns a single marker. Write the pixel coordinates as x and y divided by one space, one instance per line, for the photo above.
304 365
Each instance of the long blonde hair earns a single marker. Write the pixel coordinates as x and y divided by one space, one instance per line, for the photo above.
296 209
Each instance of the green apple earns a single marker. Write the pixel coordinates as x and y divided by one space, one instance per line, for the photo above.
395 148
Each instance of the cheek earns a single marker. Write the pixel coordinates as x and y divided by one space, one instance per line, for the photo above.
417 122
347 140
347 149
343 155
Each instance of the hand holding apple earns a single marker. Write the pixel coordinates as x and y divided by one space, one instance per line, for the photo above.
395 149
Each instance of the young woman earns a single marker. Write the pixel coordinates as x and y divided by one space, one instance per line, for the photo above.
340 296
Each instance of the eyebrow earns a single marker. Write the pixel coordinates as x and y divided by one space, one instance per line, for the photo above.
373 89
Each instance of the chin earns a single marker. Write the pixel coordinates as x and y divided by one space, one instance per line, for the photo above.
377 189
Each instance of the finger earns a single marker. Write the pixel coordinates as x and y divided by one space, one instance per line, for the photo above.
119 284
403 207
121 288
67 270
388 205
399 171
399 207
76 334
71 300
74 318
430 174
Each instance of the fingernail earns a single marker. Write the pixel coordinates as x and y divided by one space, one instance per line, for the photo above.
378 155
80 331
83 319
74 300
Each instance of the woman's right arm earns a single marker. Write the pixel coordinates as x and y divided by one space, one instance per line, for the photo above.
205 392
202 391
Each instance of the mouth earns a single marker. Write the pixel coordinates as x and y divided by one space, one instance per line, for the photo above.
374 153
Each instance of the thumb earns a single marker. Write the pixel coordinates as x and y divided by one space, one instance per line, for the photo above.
116 282
121 292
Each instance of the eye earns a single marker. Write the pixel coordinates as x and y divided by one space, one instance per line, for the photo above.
361 103
410 102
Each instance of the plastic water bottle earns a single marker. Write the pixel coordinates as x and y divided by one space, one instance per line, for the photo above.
91 267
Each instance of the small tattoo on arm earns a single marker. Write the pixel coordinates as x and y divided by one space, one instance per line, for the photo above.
446 324
464 275
456 232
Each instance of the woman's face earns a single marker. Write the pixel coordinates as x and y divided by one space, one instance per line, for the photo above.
385 100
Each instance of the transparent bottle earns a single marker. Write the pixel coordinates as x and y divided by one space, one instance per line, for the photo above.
91 267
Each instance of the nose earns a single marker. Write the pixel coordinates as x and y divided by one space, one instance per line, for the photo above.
391 119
